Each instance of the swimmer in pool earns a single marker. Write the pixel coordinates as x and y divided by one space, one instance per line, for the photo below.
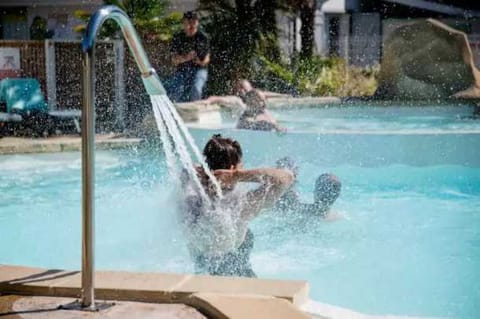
326 191
219 240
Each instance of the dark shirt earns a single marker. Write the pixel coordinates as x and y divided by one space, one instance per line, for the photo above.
182 44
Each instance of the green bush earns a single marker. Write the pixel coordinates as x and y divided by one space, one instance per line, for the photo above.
149 18
160 28
316 76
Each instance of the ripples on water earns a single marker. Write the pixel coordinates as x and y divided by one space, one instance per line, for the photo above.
408 243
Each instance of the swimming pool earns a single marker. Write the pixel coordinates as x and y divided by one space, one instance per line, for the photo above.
408 243
362 118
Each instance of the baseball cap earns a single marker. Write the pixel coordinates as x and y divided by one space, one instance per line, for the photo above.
190 15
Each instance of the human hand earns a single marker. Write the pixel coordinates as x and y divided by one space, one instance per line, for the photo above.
208 101
200 62
191 55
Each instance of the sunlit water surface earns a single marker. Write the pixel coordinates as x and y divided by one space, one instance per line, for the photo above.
408 242
367 118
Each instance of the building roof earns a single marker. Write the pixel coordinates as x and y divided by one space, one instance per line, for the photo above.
454 8
45 3
462 8
333 6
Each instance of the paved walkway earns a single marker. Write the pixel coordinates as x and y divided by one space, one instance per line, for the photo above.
16 307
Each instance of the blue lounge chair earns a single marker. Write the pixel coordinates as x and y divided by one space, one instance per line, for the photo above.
25 102
22 95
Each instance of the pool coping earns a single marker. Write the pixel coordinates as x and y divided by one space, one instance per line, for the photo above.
15 145
190 111
66 143
220 297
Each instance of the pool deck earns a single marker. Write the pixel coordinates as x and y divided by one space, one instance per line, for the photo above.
35 307
36 293
215 297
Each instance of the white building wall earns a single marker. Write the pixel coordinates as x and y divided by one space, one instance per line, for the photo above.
344 37
182 5
320 34
59 15
286 33
289 34
365 42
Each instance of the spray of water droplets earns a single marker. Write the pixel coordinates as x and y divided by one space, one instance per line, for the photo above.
177 141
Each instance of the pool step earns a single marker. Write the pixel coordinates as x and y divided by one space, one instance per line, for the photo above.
228 297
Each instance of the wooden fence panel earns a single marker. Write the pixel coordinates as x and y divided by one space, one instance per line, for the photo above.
68 72
32 59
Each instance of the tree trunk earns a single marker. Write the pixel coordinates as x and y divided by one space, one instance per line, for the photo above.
307 16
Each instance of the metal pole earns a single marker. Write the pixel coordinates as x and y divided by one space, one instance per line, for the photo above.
119 84
152 85
88 176
50 74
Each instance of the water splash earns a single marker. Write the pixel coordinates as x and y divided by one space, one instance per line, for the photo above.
165 138
176 139
192 144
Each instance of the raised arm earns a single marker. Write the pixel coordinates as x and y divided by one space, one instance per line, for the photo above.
179 58
203 62
274 182
228 100
179 55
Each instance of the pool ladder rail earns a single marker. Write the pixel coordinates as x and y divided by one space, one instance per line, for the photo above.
152 85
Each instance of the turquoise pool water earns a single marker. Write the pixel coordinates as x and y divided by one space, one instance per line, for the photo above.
379 118
366 118
408 242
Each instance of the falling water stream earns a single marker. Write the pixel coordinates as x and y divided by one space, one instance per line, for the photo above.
175 138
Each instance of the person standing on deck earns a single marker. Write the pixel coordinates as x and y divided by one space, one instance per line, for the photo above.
191 56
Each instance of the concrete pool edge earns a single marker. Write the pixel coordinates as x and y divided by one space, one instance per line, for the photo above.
191 111
219 297
17 145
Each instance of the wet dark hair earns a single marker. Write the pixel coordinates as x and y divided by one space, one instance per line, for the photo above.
327 189
222 152
190 15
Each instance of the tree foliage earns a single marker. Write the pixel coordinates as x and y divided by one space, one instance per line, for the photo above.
148 16
242 29
237 28
141 10
317 76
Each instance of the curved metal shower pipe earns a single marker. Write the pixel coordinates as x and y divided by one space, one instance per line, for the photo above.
152 85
